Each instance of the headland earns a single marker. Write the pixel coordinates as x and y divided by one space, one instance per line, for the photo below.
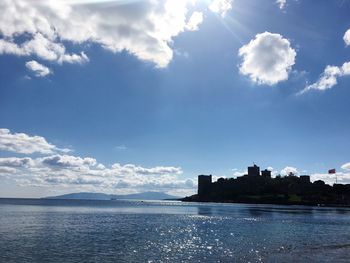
260 188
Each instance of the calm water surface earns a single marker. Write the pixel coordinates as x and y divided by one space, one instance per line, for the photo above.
34 230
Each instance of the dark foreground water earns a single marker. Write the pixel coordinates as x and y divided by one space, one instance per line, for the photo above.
131 231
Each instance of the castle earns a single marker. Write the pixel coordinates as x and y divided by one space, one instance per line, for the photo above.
259 187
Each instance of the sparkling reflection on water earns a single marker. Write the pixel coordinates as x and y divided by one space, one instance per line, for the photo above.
134 231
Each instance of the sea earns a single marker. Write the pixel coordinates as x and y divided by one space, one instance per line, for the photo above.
40 230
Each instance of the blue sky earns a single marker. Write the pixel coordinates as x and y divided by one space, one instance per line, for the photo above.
174 88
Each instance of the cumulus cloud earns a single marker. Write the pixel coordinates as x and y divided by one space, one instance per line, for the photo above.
267 59
131 169
142 28
74 171
82 173
221 6
281 3
67 161
195 20
7 170
23 143
289 169
15 162
329 77
38 69
340 177
347 37
238 174
43 48
346 166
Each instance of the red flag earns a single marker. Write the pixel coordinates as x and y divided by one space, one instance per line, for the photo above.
331 171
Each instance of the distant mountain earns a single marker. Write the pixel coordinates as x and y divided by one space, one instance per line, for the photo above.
101 196
146 196
83 195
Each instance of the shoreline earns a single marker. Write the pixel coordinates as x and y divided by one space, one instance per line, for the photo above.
186 199
266 203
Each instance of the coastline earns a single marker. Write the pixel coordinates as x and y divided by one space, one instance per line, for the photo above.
259 187
308 204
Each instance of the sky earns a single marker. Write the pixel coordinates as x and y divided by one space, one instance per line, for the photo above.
126 96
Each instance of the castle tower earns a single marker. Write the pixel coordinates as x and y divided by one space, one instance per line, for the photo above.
254 170
266 173
204 185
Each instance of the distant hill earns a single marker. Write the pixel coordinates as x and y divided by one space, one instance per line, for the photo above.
101 196
83 195
146 196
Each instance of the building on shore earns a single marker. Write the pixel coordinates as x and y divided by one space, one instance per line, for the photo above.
204 184
259 187
266 173
254 170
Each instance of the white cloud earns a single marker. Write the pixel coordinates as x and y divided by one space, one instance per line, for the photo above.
281 3
16 162
23 143
142 28
267 59
7 47
67 161
81 173
239 173
38 69
340 177
195 20
7 170
221 6
121 147
158 170
43 48
346 166
329 77
347 37
49 50
289 169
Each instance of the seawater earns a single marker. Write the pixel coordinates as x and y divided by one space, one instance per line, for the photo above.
34 230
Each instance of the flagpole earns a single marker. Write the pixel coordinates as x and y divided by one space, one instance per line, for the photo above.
334 171
336 178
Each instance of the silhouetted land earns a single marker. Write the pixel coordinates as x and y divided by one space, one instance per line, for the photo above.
100 196
262 189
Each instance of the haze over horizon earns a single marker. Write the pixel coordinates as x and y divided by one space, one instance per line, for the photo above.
124 96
